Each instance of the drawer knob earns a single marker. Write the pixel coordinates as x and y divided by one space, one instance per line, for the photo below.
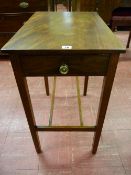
64 69
24 5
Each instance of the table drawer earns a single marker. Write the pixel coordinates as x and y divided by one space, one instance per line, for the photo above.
50 65
12 6
13 22
4 37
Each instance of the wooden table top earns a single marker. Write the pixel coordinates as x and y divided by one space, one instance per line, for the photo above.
85 32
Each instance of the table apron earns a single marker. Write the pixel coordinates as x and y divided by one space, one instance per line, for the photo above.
92 64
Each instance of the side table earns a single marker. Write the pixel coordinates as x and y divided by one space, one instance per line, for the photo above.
64 44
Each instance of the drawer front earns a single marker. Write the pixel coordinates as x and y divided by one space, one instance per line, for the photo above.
4 37
12 6
4 56
51 65
13 22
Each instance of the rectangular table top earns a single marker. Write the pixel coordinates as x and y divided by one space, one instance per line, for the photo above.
83 32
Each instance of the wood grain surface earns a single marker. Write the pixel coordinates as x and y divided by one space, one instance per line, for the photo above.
46 31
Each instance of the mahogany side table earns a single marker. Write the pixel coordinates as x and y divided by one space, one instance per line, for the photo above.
64 44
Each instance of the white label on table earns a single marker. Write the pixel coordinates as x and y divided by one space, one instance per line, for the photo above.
66 47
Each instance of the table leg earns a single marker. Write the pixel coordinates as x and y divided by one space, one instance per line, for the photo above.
25 97
128 42
46 85
85 85
69 6
113 26
52 5
105 95
75 5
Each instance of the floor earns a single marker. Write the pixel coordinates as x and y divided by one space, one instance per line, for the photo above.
66 153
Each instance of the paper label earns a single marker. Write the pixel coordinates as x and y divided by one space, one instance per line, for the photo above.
66 47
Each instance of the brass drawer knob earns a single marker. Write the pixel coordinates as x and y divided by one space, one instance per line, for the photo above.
24 5
64 69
